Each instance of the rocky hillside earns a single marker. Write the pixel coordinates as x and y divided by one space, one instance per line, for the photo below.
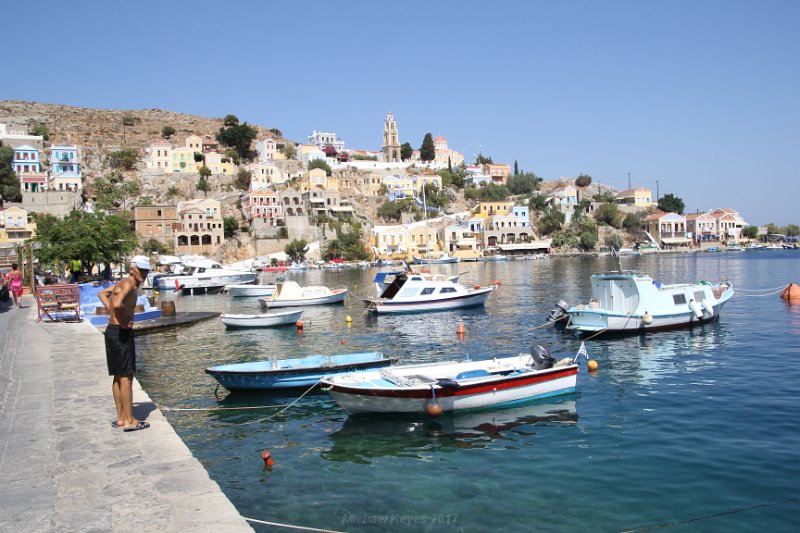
98 131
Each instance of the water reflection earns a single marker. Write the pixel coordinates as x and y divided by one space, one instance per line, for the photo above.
364 438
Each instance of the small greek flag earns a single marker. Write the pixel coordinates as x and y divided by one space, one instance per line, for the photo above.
583 352
613 251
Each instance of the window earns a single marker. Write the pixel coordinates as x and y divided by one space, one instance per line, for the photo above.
447 289
679 299
427 290
699 296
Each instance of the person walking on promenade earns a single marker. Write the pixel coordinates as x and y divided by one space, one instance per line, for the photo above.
14 280
120 300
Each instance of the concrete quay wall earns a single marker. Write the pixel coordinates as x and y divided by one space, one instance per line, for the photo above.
64 468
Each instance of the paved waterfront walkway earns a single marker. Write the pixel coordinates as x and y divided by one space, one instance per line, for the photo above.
64 468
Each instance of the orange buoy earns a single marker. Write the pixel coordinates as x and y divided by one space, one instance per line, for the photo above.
342 341
592 365
791 292
496 282
476 286
267 457
460 330
433 408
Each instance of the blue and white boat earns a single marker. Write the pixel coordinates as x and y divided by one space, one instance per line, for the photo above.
301 372
629 301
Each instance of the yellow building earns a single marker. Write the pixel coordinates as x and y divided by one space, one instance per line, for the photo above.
316 178
183 161
403 241
639 197
16 225
194 143
214 162
487 209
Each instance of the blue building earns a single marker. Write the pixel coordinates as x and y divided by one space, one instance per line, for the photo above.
521 213
26 159
65 169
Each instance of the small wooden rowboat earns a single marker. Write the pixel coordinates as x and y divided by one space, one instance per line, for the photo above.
293 373
261 321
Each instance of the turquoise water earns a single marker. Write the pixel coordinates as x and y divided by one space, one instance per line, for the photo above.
673 427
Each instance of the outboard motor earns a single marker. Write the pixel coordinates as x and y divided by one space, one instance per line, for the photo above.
559 313
541 357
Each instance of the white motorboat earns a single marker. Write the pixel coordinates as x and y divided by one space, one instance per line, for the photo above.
262 320
409 292
250 290
629 301
292 294
443 259
200 277
455 386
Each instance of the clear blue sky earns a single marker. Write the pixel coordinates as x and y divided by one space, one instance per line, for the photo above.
699 95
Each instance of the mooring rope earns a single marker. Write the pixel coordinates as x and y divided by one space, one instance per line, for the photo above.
290 526
715 515
221 408
739 289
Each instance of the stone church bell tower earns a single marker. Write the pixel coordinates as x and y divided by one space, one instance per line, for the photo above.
391 140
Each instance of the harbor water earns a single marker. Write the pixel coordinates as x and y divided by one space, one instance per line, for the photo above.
694 429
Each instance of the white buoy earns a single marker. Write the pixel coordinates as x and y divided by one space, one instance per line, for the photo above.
708 307
695 307
647 318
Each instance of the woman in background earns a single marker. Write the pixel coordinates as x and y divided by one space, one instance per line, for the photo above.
14 281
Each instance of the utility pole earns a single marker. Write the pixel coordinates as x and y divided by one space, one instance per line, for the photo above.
658 195
629 181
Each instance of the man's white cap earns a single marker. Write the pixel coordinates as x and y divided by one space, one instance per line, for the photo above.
141 262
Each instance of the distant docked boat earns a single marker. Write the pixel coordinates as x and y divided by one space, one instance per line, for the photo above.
293 373
409 292
628 301
205 276
266 320
491 258
250 290
454 386
291 294
441 260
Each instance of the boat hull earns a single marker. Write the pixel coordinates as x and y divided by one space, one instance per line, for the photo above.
233 321
488 395
382 306
446 261
243 291
199 282
322 300
260 376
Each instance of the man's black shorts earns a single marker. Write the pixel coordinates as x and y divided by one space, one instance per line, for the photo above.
120 351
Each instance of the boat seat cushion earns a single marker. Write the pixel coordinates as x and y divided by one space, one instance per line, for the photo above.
477 373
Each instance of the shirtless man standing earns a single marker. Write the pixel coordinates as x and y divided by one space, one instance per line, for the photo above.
120 300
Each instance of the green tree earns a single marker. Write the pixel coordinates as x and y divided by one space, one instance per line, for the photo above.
566 238
406 151
480 159
108 191
434 197
154 246
347 246
146 201
41 129
493 192
129 120
608 213
202 183
123 159
523 183
230 226
671 204
792 230
750 232
230 120
172 192
537 203
237 136
129 189
289 151
427 152
587 233
167 132
516 168
243 179
614 240
632 222
283 233
583 181
199 158
296 250
88 237
551 222
453 177
9 181
320 163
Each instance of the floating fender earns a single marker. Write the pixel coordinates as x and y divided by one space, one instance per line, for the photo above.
791 292
647 318
695 307
563 362
708 307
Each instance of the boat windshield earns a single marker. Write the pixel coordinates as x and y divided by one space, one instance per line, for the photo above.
394 287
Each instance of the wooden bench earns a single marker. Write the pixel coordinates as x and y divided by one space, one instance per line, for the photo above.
57 301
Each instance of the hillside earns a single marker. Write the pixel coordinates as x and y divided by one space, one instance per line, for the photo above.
97 131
